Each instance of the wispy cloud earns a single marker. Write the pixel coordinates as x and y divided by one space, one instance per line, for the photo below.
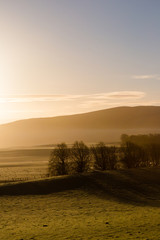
37 98
122 95
110 104
113 99
153 76
62 98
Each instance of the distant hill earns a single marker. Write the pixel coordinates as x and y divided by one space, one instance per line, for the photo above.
104 125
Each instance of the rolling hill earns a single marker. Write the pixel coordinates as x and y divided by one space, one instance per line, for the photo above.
104 125
120 204
126 185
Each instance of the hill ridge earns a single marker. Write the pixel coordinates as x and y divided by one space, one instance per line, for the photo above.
128 185
78 114
102 125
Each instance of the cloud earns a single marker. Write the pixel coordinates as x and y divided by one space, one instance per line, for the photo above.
113 99
153 76
122 95
37 98
67 97
91 105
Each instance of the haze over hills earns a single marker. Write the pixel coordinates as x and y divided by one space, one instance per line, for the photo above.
103 125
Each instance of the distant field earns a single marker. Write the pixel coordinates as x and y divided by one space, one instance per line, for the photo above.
23 164
26 163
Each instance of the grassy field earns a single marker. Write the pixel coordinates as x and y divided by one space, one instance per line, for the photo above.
23 164
122 204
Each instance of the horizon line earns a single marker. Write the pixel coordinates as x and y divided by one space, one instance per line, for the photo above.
80 113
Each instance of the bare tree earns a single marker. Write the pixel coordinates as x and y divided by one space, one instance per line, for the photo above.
154 154
104 157
58 163
134 156
80 155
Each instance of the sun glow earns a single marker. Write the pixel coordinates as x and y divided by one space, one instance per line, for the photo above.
4 73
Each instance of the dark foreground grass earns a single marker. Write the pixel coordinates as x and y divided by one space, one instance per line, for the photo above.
120 204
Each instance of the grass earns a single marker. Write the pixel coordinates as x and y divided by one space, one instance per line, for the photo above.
75 215
23 164
122 204
21 173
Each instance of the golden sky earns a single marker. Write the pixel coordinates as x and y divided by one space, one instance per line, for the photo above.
65 57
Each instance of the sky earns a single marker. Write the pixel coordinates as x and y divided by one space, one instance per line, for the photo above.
60 57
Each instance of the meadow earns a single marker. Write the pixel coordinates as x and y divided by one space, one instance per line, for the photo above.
118 204
23 164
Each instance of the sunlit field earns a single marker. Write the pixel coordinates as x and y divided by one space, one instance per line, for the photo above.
23 164
115 204
120 204
76 215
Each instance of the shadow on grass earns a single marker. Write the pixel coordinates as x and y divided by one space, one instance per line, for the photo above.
134 186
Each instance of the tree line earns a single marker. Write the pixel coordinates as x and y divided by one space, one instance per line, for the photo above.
80 158
141 139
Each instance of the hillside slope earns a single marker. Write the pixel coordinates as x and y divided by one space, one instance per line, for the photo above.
130 185
122 204
106 125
